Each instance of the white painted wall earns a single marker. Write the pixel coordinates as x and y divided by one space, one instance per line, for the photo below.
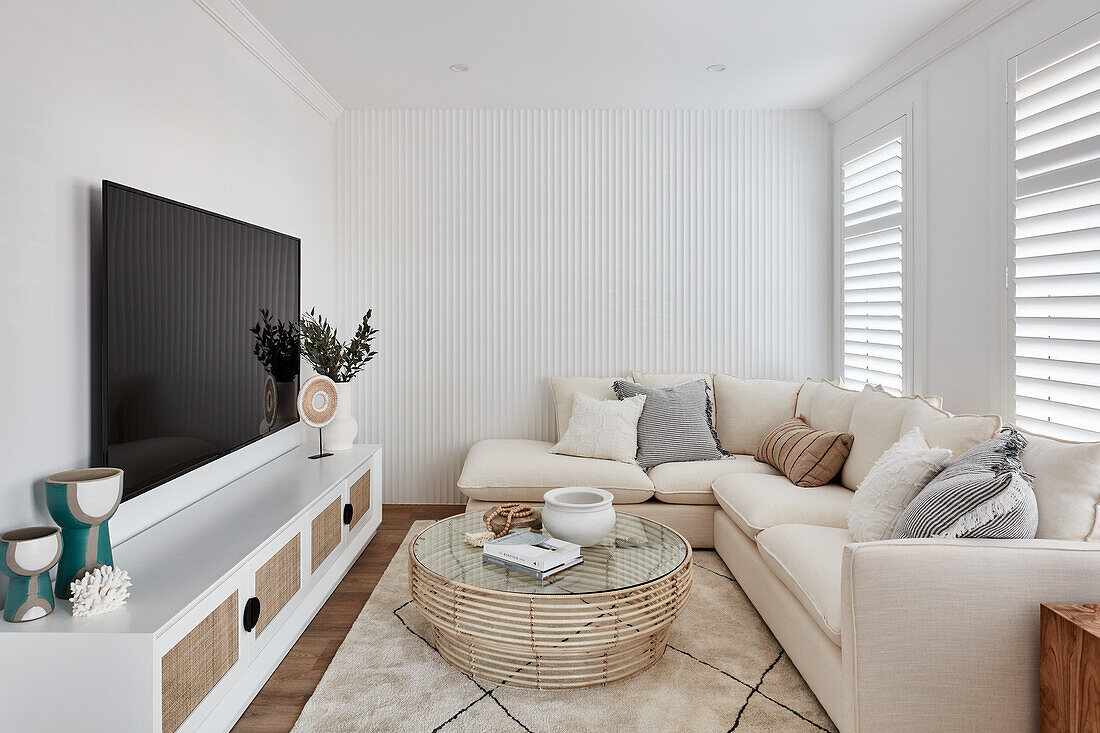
961 152
162 97
499 248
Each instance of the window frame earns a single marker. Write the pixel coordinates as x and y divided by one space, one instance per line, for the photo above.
1086 27
914 285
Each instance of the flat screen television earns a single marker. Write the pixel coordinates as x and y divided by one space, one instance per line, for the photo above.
182 289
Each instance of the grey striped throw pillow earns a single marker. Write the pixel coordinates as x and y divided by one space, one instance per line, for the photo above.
984 494
676 423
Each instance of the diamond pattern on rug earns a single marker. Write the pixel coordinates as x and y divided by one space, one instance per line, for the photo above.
722 671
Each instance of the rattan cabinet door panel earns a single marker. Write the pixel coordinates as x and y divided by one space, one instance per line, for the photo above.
277 581
197 662
359 498
325 530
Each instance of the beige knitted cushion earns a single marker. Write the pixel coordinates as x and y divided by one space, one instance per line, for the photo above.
806 456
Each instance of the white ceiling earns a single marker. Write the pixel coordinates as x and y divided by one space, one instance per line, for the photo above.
780 54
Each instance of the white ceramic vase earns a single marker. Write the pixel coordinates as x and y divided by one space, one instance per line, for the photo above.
578 514
340 433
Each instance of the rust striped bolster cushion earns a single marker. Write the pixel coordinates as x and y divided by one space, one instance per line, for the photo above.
806 456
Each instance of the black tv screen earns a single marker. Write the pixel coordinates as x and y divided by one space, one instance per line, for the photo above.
182 290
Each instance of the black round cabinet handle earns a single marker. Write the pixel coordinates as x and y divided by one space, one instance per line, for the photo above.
349 512
251 613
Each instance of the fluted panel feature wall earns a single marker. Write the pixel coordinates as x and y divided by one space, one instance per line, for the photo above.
498 248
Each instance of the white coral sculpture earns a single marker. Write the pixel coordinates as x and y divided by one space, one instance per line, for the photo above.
103 590
478 539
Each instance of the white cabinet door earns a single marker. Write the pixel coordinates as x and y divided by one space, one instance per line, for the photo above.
274 581
200 657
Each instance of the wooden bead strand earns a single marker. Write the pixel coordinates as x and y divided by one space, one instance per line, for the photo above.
514 514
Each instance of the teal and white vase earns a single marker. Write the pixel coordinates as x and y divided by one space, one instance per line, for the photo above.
26 556
81 502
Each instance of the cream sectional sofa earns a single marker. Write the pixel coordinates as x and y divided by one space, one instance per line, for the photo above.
896 635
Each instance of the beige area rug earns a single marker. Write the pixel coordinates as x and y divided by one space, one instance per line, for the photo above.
722 671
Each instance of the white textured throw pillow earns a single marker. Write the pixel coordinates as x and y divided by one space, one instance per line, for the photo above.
602 429
893 481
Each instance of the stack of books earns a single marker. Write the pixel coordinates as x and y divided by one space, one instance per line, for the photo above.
531 553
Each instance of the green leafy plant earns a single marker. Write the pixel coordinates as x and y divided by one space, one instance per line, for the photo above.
277 347
322 348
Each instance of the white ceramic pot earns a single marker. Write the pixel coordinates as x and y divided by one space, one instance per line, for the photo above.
341 432
578 514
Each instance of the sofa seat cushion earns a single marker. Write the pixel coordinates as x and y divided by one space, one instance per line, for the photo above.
688 482
523 470
809 560
757 501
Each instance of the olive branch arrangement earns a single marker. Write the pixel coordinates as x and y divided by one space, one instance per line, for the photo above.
276 347
323 349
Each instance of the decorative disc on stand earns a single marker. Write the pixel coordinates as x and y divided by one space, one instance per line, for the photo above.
317 407
271 401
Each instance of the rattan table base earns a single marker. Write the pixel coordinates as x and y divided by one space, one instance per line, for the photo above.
550 641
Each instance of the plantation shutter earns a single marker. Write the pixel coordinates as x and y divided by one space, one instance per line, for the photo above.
873 210
1056 96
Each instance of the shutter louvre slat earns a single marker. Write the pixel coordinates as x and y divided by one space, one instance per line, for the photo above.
1070 263
1073 240
862 335
1066 393
1087 170
1071 372
1082 351
1059 115
874 239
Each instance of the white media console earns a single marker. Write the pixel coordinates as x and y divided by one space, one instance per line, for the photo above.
221 591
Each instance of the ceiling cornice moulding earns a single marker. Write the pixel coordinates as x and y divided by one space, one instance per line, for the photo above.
948 35
251 34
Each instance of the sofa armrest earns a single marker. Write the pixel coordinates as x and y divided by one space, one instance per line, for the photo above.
944 634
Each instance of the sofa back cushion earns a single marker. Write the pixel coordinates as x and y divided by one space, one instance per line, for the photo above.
826 406
566 388
957 433
876 424
804 402
655 379
807 457
880 419
1066 480
747 410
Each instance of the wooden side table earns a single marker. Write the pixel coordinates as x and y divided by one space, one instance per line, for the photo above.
1069 668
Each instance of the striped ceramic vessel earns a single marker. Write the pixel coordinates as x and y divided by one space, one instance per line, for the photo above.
81 502
28 554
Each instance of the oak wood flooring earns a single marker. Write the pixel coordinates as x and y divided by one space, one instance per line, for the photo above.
277 706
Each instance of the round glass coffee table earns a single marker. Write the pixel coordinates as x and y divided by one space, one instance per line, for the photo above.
602 621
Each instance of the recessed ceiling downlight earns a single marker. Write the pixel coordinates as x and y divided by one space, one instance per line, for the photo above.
459 67
716 67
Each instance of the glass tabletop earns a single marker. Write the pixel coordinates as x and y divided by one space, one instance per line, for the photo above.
637 551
